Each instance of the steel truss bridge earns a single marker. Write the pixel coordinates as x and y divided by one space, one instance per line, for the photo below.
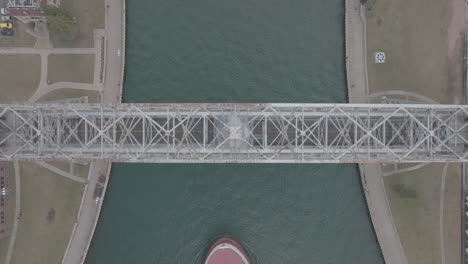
247 133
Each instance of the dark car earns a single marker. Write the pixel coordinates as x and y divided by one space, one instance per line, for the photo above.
7 32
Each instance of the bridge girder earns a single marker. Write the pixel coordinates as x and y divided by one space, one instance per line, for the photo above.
236 133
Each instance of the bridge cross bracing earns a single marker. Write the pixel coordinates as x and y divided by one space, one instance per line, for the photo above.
236 133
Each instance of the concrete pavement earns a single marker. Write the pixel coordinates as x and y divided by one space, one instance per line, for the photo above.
87 218
17 213
115 51
114 63
46 51
371 174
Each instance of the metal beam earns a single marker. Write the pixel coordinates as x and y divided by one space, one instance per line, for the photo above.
247 133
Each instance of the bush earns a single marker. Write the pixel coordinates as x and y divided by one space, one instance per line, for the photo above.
61 22
404 191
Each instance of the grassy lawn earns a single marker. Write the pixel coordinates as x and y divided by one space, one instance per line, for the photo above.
413 35
49 205
71 68
10 214
93 96
81 170
19 77
89 15
414 201
20 39
78 169
452 214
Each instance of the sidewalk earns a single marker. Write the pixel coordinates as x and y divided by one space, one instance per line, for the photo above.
371 175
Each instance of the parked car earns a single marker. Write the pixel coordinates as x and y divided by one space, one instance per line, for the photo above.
7 32
8 18
4 11
6 26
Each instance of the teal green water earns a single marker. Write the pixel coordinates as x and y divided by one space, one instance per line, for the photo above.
235 51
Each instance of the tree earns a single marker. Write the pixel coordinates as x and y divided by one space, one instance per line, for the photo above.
61 22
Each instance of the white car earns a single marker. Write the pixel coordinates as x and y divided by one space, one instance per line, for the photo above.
118 52
8 18
3 11
3 191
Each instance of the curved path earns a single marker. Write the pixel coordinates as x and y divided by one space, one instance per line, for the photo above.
415 167
371 174
114 59
61 172
415 96
17 213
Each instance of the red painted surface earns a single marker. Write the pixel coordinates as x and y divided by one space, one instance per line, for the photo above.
226 251
24 12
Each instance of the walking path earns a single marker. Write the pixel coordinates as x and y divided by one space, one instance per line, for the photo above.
371 174
441 215
45 88
413 96
114 62
412 168
61 172
17 213
87 217
47 51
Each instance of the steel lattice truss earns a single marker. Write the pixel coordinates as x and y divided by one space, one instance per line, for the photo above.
235 132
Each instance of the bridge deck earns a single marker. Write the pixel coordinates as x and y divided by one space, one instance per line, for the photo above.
235 132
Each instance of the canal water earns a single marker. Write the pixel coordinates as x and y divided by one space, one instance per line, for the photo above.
235 51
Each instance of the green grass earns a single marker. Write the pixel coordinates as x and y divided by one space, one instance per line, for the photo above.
413 34
452 214
10 213
81 170
19 77
93 96
417 216
62 165
42 238
71 68
89 15
20 39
